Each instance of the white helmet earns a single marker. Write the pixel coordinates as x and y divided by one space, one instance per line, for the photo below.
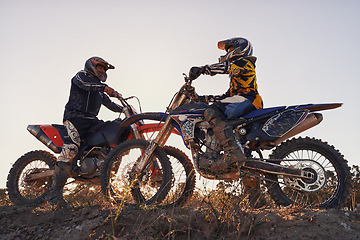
235 48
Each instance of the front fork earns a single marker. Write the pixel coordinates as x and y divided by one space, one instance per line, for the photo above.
133 126
162 136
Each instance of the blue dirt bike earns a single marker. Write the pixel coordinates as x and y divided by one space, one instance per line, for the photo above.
300 171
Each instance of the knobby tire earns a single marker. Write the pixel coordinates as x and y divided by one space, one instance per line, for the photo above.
113 162
32 192
323 153
183 170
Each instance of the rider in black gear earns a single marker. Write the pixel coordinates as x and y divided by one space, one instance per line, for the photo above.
86 97
87 94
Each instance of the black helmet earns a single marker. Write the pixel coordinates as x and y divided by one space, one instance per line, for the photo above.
93 62
241 47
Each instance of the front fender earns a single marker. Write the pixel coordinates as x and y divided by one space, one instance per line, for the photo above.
157 116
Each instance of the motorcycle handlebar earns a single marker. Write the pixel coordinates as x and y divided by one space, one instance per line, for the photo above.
190 89
126 104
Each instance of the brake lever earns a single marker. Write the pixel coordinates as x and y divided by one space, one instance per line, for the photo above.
187 79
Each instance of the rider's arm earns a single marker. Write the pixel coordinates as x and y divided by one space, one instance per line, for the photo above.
84 81
110 104
215 98
217 68
223 96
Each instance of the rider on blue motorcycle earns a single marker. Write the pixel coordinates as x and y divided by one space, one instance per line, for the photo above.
87 94
242 97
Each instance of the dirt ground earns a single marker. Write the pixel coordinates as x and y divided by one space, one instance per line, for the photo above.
98 222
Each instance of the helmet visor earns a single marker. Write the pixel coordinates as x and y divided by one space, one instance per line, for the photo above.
109 66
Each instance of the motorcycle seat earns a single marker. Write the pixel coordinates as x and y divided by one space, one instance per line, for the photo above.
259 112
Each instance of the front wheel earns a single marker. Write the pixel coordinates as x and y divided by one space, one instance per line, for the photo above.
183 180
119 184
21 188
330 186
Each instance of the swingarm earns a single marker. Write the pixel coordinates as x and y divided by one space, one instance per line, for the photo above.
272 168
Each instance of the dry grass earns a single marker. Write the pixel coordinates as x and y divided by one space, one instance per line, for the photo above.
222 212
219 213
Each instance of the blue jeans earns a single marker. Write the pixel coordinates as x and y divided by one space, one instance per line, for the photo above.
236 109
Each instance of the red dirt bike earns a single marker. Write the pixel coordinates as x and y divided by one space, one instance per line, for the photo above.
30 178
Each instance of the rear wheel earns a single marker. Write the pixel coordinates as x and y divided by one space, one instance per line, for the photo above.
149 187
21 188
331 184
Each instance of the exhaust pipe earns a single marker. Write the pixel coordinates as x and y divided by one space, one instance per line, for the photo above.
310 121
41 136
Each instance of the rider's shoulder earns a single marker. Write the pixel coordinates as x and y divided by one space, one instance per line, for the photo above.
242 62
84 76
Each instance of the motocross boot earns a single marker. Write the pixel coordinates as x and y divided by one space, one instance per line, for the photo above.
232 151
62 173
252 190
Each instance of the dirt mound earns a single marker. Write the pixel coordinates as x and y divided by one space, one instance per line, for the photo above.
181 223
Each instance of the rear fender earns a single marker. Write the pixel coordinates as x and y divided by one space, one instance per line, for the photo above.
317 107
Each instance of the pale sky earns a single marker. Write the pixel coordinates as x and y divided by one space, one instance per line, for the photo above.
308 52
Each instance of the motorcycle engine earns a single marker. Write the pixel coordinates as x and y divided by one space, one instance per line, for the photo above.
206 134
88 166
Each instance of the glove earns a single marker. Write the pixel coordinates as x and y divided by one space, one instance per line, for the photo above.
111 92
202 99
208 98
195 72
